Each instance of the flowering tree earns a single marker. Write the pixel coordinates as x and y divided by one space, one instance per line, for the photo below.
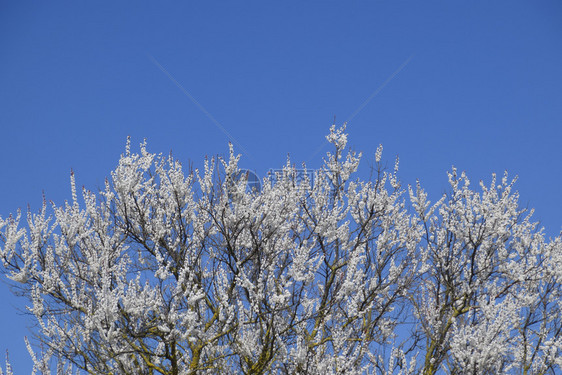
489 296
170 273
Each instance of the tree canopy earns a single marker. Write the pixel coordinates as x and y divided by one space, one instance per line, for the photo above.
166 271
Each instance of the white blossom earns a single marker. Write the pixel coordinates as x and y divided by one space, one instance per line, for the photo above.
191 273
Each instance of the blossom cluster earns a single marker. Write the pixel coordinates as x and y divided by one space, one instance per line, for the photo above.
167 272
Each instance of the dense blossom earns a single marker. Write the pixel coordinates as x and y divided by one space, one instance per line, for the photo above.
173 273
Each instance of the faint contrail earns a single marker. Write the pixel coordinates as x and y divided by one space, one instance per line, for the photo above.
379 89
214 120
375 93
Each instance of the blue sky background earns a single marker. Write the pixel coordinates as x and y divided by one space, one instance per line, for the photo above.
471 84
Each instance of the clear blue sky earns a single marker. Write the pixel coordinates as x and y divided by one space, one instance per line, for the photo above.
480 88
